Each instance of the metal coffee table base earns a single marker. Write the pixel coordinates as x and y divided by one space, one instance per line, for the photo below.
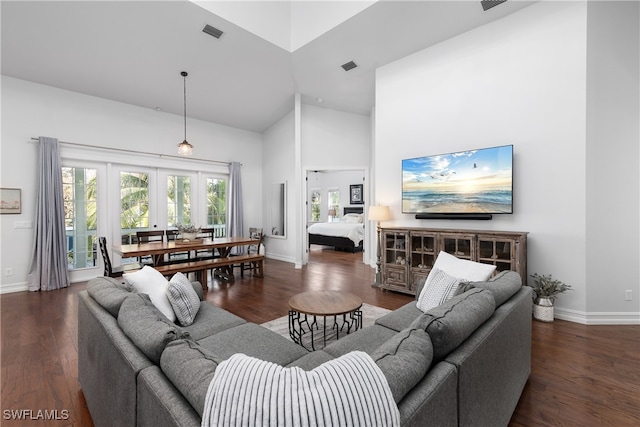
301 324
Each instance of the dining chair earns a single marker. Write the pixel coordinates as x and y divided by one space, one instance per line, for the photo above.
109 269
149 236
206 233
254 248
173 235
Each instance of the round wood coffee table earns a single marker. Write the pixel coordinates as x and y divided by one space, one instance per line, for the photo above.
344 307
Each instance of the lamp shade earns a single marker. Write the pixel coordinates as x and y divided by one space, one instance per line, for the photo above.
332 212
379 213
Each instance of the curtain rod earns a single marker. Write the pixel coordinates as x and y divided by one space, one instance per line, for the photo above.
124 150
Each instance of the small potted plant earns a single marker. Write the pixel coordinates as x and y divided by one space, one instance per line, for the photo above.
546 288
188 232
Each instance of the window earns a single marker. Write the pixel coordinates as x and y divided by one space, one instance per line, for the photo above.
315 205
134 205
217 205
334 204
80 216
178 200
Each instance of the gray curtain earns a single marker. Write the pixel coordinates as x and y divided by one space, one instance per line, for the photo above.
49 261
235 225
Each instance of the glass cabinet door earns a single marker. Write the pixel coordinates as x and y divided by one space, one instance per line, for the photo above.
459 245
496 252
395 246
396 263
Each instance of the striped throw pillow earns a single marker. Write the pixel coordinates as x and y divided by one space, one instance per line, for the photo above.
439 288
183 298
348 391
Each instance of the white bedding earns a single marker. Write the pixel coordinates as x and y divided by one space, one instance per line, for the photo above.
353 231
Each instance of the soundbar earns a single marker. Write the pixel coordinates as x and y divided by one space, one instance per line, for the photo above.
479 216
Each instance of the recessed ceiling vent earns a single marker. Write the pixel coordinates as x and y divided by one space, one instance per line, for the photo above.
213 31
349 65
488 4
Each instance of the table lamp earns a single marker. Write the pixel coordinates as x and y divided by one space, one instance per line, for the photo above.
379 213
332 214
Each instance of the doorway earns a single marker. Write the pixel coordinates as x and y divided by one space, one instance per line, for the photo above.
326 195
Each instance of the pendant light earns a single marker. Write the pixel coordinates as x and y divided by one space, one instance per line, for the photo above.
184 148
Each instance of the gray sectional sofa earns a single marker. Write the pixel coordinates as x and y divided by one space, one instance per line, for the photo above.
135 367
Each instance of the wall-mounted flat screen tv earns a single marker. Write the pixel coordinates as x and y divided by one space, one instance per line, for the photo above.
466 182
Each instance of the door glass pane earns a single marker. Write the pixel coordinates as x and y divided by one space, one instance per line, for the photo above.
334 204
134 204
178 200
315 205
80 216
217 205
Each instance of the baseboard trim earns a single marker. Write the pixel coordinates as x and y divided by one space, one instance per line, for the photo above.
598 318
280 258
14 287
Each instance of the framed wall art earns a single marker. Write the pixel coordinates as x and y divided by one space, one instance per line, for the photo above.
356 194
10 201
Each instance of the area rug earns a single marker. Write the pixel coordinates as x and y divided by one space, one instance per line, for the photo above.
370 313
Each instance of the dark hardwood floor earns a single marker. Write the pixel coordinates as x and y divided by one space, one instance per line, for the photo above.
581 375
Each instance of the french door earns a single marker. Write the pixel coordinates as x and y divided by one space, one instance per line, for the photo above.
152 199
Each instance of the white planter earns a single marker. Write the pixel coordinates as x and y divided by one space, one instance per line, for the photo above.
543 309
189 236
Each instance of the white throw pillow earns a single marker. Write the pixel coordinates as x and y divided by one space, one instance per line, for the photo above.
149 281
463 269
437 290
183 298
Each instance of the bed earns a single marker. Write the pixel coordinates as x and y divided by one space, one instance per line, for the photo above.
345 235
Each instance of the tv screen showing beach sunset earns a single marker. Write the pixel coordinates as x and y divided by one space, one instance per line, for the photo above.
476 181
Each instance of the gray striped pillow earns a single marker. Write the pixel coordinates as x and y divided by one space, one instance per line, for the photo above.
183 298
439 288
348 391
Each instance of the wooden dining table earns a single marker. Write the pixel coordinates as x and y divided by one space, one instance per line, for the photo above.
157 250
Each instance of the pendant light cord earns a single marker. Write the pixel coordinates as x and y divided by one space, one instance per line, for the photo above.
184 75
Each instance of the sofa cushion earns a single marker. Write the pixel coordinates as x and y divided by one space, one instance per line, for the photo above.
146 326
311 360
109 293
460 268
151 282
404 360
367 340
210 320
400 318
449 324
439 289
503 286
190 368
253 340
183 299
350 390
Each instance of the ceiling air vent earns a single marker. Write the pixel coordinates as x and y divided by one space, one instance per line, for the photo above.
213 31
349 65
488 4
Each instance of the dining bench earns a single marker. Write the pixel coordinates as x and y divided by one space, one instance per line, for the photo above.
201 267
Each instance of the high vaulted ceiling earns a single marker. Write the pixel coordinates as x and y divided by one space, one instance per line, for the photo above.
133 52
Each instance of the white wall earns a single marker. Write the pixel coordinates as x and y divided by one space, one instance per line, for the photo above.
278 160
613 177
334 138
520 81
31 110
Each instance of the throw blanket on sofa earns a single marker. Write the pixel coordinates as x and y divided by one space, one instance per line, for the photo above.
348 391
